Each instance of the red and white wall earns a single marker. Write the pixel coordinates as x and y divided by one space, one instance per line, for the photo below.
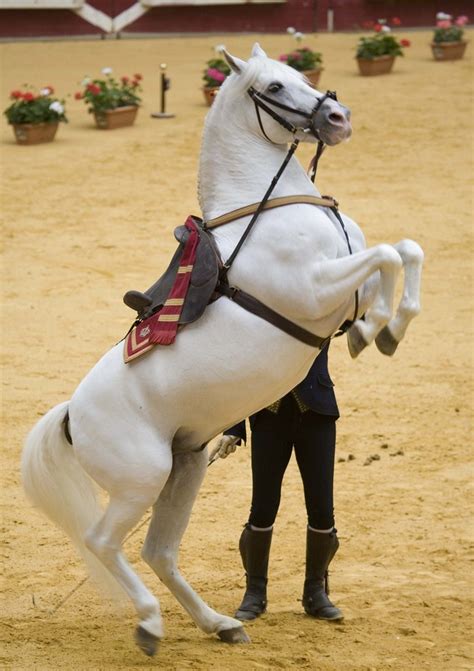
54 18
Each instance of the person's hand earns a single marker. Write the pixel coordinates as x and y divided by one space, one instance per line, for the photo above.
225 446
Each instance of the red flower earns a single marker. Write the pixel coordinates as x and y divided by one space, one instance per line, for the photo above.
125 79
28 96
138 77
135 83
94 89
78 95
396 21
405 43
377 27
51 89
16 95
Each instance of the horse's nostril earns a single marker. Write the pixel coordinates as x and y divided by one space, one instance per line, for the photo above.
336 118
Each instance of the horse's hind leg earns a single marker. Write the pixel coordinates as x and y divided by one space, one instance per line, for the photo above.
170 518
105 539
409 307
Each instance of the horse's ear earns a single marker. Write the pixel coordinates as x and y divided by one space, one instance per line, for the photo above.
258 51
235 63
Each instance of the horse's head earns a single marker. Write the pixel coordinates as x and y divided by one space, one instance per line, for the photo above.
281 104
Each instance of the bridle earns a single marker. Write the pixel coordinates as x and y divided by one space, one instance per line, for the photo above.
260 100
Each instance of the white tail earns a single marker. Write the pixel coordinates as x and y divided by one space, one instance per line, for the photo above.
57 484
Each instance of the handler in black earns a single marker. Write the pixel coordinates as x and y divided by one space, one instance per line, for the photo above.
304 419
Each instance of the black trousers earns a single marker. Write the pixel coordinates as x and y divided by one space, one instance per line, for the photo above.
274 436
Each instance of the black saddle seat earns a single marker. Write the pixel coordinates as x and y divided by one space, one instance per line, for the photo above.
204 277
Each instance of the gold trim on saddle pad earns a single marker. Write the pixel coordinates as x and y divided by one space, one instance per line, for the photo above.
269 205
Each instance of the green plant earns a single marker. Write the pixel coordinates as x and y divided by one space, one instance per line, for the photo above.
215 73
29 107
382 42
448 31
109 94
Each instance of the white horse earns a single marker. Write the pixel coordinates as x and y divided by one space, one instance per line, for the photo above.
137 429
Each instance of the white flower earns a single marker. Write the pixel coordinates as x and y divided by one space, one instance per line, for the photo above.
219 48
441 16
290 30
382 21
386 29
106 71
57 107
45 92
86 81
298 36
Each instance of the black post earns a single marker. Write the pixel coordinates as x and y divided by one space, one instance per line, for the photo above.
163 89
165 84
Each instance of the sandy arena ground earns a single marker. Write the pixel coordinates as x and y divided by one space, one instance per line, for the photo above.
91 215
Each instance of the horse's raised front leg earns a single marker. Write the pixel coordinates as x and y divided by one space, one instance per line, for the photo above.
126 507
337 280
170 518
412 256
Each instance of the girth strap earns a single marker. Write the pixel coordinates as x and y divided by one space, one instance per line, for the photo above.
253 305
269 205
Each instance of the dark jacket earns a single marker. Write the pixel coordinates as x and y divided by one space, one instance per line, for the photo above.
316 391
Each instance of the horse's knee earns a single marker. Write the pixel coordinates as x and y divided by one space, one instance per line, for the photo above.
410 251
389 257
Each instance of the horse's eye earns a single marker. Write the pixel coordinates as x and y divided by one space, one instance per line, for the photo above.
275 87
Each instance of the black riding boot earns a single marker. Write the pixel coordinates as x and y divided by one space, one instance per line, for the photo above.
254 549
320 550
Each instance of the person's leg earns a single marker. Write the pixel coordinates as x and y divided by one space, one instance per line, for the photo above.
271 451
272 444
315 451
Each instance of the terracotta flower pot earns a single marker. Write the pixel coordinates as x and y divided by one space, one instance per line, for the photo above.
210 93
313 76
116 118
448 51
35 133
380 65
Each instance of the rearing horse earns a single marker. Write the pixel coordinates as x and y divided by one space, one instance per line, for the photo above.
138 429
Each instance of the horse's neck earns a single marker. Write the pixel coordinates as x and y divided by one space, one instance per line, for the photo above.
237 168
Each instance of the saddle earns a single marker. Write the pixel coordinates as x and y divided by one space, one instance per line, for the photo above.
180 295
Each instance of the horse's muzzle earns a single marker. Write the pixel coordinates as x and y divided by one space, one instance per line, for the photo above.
331 123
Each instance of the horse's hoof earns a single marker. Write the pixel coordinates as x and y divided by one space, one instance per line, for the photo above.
147 642
234 635
385 342
355 341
